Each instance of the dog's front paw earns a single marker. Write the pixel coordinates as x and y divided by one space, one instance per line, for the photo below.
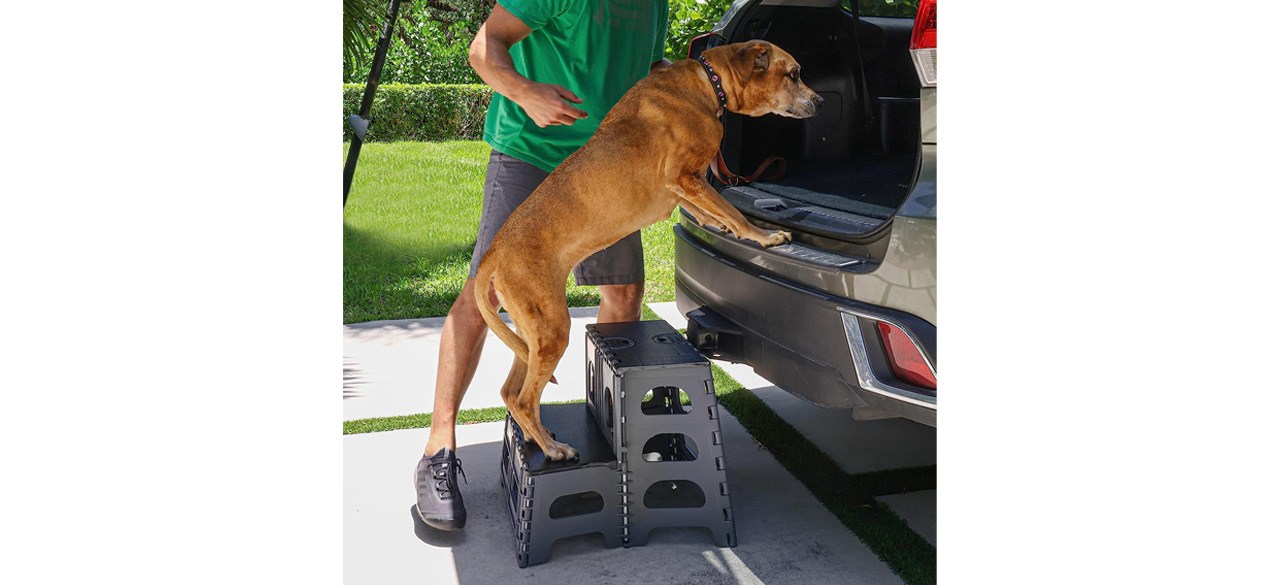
776 239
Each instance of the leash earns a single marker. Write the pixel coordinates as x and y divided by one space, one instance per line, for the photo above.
718 167
724 175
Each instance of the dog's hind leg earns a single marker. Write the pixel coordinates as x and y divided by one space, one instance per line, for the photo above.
515 379
544 322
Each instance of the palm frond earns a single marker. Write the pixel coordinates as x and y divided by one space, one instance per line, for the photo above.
361 20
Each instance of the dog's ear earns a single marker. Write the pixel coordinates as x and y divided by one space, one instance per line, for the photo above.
755 56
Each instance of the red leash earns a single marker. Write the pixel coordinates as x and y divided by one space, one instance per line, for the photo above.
722 173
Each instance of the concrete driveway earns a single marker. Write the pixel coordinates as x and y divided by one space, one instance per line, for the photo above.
785 535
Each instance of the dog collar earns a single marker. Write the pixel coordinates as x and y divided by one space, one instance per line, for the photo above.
715 80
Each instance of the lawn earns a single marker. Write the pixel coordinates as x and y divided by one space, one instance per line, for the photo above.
410 225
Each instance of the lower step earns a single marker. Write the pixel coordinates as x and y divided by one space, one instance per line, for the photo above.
551 500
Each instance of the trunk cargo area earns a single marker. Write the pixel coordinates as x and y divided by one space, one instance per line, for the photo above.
860 153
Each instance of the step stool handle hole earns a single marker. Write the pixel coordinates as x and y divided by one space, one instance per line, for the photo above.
666 400
670 447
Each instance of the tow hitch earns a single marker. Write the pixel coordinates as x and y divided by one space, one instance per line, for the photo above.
714 335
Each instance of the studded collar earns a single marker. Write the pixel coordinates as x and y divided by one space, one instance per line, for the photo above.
715 81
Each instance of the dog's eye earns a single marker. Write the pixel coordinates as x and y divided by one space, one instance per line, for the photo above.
794 75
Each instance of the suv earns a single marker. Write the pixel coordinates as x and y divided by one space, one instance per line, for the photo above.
845 316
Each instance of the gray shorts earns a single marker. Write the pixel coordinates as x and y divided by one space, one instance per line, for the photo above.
507 183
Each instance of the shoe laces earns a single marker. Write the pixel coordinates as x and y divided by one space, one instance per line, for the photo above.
446 475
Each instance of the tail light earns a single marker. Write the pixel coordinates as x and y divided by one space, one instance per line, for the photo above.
905 358
924 43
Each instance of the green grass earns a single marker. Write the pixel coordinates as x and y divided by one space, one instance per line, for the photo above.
850 497
409 227
418 421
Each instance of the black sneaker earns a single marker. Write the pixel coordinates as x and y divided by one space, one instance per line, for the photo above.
439 500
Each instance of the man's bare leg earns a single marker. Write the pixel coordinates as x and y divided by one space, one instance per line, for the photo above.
436 477
461 343
620 302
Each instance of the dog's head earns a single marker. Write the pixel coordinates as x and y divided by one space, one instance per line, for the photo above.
768 81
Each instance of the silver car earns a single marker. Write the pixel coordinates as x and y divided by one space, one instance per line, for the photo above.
845 316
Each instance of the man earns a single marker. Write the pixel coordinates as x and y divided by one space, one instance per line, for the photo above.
556 67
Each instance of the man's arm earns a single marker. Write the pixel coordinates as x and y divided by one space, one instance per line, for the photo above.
490 56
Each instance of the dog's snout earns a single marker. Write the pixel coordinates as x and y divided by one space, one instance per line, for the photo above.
809 105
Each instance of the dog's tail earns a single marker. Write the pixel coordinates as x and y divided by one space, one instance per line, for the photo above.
484 283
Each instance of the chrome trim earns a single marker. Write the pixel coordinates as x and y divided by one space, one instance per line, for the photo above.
862 362
929 115
901 327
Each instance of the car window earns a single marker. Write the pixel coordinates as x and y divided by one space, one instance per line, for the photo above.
892 8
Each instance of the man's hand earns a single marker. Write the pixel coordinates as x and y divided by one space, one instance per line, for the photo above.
490 56
547 104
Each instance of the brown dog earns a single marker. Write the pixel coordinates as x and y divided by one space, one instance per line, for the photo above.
649 154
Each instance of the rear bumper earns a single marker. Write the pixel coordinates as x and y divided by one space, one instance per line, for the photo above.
820 347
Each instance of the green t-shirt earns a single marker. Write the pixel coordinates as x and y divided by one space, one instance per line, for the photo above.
597 49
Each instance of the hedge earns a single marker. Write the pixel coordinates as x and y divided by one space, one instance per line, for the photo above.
419 112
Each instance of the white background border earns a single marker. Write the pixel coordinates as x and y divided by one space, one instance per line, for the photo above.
172 252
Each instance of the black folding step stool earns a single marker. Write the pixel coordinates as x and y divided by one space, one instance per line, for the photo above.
649 445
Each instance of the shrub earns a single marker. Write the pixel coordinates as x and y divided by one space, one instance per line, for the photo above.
690 18
432 36
419 112
429 45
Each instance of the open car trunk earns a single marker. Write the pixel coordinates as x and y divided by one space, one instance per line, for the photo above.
850 167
